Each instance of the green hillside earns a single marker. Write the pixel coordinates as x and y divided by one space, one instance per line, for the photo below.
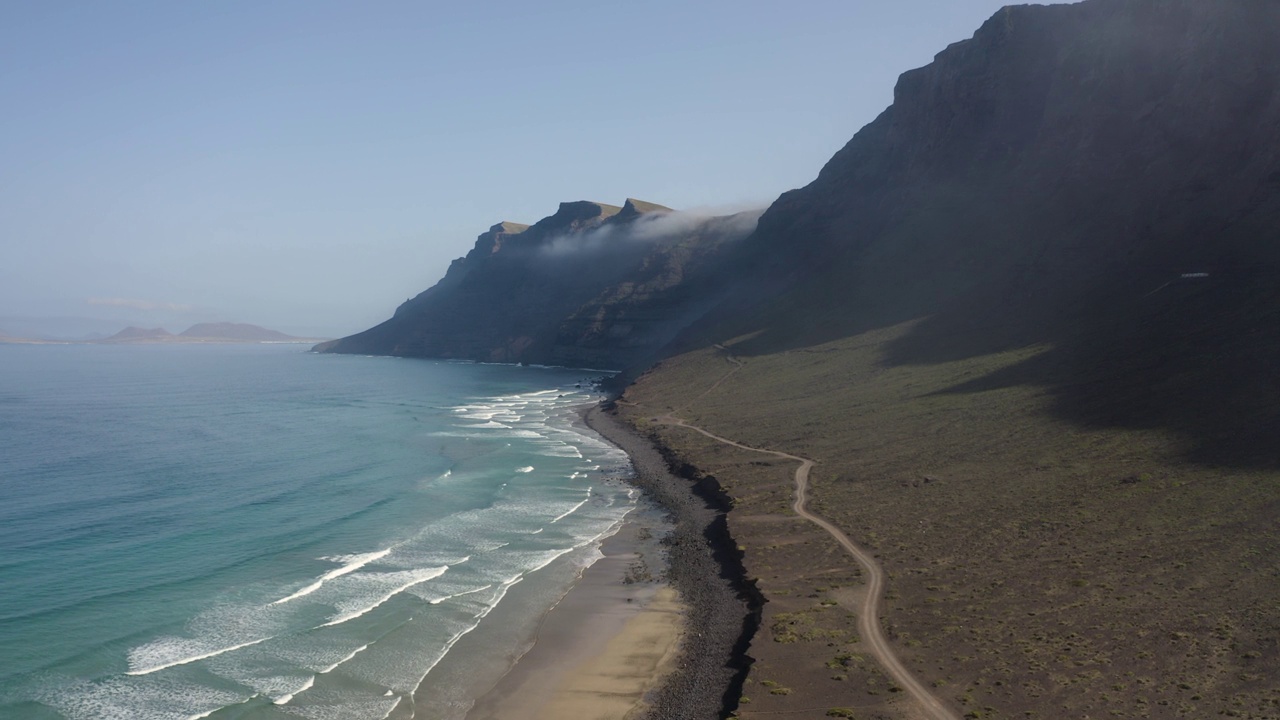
1027 323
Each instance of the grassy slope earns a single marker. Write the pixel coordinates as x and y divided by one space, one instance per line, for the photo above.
1066 454
1040 566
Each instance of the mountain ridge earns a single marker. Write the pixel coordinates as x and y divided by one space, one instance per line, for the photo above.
210 332
592 285
1026 323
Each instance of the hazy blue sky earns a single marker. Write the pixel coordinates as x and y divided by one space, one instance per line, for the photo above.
308 165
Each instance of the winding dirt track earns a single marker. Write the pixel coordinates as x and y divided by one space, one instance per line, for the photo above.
869 618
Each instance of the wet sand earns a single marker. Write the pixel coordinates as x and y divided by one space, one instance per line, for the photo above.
704 566
602 647
669 650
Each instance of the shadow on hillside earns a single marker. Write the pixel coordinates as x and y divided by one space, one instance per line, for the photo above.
1197 357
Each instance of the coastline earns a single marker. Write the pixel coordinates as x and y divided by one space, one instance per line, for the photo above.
669 648
599 650
722 607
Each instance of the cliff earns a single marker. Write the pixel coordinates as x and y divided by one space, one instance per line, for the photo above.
591 285
1026 322
1058 162
1063 153
1103 178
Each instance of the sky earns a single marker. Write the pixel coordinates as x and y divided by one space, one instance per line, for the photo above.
308 165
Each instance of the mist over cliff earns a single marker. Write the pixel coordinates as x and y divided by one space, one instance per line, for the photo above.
1027 323
1100 178
1061 152
1072 174
592 285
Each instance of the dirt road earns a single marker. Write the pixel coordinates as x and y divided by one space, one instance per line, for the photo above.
869 618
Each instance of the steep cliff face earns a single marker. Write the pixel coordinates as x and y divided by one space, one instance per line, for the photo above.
592 285
1034 182
1046 277
687 270
1064 154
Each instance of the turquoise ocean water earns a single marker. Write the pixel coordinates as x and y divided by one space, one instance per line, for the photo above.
260 532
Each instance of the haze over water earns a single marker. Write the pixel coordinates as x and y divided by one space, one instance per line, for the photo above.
257 532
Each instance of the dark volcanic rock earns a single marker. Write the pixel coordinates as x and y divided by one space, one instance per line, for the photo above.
705 567
1102 179
592 285
1062 153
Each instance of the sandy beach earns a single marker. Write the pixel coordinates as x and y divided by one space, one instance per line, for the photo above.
722 608
609 641
624 645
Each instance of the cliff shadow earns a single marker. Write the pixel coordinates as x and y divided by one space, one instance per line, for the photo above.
1195 356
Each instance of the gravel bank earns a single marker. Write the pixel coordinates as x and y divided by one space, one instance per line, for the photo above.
704 566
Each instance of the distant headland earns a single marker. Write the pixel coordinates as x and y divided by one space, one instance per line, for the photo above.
206 333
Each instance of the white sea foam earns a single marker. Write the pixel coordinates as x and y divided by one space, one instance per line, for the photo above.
271 642
477 412
439 600
352 563
404 580
508 433
271 675
561 451
544 559
284 699
151 698
179 647
570 511
393 707
502 592
364 709
349 656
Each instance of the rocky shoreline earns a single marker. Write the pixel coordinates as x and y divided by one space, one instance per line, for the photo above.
705 567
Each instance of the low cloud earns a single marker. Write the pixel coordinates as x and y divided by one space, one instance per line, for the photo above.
135 304
735 222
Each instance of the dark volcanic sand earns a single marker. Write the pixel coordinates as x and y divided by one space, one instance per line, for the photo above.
704 567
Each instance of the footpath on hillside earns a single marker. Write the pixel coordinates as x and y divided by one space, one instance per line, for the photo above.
869 618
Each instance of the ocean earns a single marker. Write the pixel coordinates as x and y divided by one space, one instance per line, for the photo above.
256 531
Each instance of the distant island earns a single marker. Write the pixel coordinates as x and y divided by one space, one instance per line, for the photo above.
206 333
